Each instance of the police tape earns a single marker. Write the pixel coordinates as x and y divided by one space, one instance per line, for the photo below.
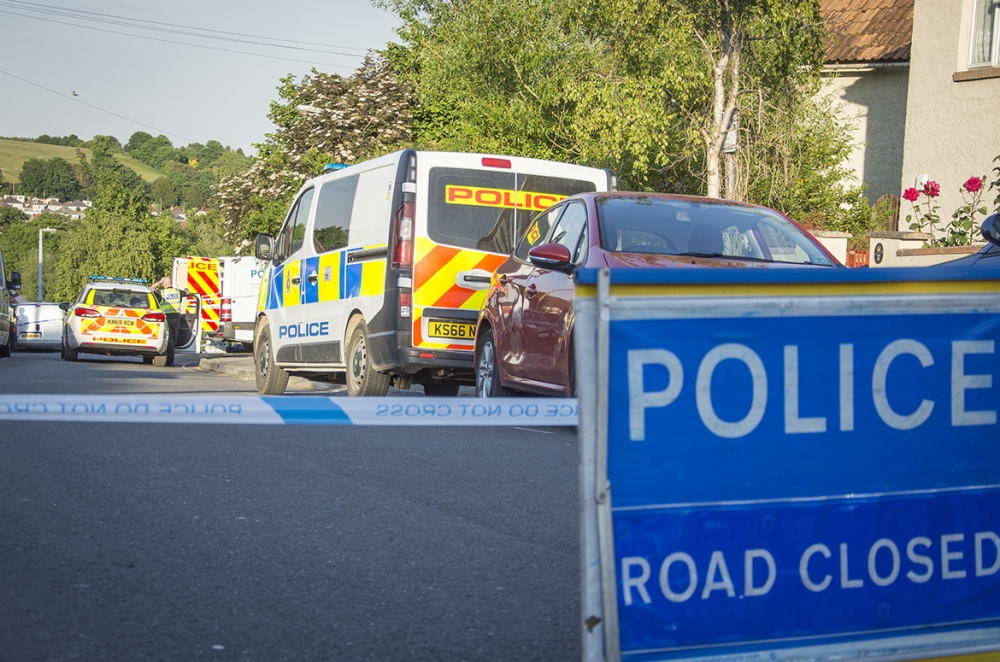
290 410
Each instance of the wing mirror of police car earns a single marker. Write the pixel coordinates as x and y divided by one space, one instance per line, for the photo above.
991 229
64 306
15 280
550 256
264 248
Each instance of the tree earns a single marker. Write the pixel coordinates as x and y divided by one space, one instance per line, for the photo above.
19 242
164 193
322 119
9 215
49 177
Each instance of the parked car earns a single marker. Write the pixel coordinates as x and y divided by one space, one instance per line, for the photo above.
524 330
39 326
990 254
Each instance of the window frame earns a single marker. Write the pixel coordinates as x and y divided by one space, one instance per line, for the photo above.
579 253
994 55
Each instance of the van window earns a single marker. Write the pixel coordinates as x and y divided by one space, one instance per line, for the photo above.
294 231
488 210
333 213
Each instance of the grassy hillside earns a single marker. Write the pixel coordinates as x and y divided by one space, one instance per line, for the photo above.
13 153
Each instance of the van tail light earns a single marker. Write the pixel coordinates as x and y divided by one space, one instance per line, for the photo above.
154 317
81 311
490 162
226 311
402 253
405 304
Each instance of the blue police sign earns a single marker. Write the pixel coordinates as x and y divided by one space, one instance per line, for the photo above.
799 465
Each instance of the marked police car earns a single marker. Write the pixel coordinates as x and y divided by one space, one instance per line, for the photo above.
117 317
380 269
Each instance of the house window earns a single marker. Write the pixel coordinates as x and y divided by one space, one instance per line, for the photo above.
985 32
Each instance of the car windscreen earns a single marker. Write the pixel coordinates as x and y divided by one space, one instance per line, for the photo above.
489 210
121 299
662 226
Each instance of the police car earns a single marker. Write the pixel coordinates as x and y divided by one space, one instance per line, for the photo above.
116 317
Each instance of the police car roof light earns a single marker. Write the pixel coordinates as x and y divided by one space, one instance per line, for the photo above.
115 279
490 162
329 167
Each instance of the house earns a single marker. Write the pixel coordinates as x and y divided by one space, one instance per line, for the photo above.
178 214
953 102
867 70
920 79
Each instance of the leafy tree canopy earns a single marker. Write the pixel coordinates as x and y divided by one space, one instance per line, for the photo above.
49 177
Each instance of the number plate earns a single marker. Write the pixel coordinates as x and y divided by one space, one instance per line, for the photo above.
115 321
443 329
30 334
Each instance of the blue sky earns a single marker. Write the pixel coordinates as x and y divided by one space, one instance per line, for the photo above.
191 94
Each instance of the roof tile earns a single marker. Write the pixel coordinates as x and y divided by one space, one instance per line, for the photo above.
867 30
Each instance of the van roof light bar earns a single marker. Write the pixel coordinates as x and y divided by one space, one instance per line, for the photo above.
329 167
116 279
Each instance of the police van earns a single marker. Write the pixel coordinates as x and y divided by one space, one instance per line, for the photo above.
379 269
7 319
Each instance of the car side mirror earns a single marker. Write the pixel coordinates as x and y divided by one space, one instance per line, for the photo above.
15 280
550 256
264 248
991 229
64 306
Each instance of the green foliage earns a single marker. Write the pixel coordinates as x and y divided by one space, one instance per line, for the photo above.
19 242
10 215
53 177
163 193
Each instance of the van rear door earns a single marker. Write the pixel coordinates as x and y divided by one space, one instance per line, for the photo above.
474 211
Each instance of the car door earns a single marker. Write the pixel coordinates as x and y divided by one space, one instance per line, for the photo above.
548 304
513 344
288 281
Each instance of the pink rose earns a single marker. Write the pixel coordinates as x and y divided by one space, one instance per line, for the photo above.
973 184
911 194
932 189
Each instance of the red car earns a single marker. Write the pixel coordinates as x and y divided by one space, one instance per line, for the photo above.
525 328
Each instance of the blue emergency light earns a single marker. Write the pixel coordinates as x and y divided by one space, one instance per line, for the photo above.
116 279
329 167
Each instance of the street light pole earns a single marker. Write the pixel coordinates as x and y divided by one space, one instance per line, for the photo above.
40 231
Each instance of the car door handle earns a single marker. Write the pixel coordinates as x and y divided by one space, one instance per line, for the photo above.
531 290
313 277
296 280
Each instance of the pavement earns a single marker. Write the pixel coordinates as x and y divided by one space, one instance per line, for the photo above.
241 366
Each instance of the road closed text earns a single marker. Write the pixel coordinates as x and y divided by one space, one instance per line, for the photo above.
791 383
682 576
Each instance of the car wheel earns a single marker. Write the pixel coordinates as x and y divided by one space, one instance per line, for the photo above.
441 388
271 378
362 378
487 371
159 361
68 353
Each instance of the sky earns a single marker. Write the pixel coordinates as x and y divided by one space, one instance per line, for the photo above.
185 91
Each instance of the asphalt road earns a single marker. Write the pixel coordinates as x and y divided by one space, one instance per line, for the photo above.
130 542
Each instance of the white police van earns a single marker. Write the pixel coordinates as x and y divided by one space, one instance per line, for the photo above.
7 320
379 269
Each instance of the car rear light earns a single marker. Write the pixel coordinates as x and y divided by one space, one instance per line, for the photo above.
402 255
489 162
80 311
411 169
226 311
154 317
426 355
405 303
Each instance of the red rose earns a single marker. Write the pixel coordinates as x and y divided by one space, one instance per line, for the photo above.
973 184
932 189
911 194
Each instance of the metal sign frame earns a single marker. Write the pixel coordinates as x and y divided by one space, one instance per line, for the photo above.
604 297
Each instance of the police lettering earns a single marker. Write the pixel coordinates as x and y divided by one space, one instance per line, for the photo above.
304 330
963 379
503 198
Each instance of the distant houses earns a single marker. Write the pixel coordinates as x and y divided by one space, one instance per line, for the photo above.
33 206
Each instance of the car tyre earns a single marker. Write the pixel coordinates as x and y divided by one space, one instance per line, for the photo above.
362 378
159 361
271 378
441 388
488 371
68 353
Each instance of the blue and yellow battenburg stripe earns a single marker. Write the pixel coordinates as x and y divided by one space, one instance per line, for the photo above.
327 277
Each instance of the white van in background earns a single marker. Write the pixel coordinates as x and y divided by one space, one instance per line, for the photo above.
39 325
241 277
380 269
